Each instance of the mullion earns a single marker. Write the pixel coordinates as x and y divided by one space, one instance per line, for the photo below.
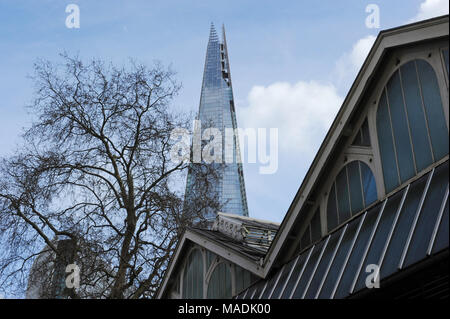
348 190
388 104
337 203
361 182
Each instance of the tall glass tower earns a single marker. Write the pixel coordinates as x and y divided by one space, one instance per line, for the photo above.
217 110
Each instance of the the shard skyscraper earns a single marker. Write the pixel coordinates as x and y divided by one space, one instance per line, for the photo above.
217 110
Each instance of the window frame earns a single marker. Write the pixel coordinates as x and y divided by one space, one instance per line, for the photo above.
217 262
432 54
324 211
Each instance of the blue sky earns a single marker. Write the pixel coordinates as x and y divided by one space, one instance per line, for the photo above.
292 63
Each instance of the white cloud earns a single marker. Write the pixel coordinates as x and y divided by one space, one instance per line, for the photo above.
302 112
348 65
431 8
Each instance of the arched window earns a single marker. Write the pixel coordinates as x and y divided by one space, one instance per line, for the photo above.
353 190
193 276
219 286
411 126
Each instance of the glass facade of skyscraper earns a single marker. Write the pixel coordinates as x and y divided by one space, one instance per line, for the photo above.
217 111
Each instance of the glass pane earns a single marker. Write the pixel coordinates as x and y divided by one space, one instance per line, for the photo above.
259 288
313 260
186 282
193 277
400 235
342 196
295 273
249 278
358 139
365 134
315 227
362 138
400 126
441 241
379 240
243 279
239 273
433 109
369 186
386 145
323 265
339 259
306 239
354 179
428 216
251 290
197 272
445 54
416 117
219 286
184 292
283 278
332 219
226 293
357 252
269 287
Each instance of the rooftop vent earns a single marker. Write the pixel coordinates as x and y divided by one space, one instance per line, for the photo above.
253 232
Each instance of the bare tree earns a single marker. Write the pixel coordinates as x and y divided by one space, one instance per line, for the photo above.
95 170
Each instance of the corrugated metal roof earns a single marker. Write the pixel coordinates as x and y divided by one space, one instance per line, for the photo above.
403 230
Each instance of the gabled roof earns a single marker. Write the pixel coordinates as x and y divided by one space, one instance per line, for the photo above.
219 240
386 41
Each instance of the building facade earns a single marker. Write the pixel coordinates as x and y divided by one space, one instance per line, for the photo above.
217 111
371 217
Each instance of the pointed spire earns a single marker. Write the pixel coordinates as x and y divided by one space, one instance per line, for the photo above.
213 34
